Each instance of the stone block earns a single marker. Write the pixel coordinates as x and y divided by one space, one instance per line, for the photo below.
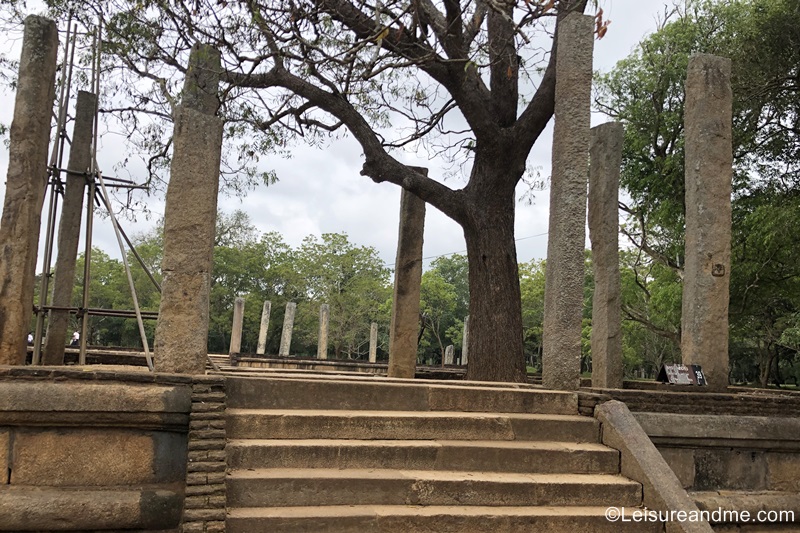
46 396
681 461
70 509
67 457
783 471
717 469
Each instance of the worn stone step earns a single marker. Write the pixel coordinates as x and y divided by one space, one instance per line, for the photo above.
438 519
417 425
297 487
488 456
381 394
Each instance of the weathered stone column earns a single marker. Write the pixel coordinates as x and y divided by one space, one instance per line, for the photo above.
288 326
407 280
238 324
25 185
322 338
261 349
69 229
564 272
373 342
448 354
181 339
709 161
465 342
606 158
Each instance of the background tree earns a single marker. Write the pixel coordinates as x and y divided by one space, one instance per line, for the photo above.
445 76
353 281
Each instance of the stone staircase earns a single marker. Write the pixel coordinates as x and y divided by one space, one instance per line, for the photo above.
371 454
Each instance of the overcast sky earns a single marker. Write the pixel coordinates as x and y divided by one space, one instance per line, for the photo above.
321 191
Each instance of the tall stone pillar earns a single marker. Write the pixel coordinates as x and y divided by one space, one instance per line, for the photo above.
465 342
69 230
238 324
288 326
564 272
181 339
709 161
261 349
448 354
373 342
407 281
322 338
25 184
606 158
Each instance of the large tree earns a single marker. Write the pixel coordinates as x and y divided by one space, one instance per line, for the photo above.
470 79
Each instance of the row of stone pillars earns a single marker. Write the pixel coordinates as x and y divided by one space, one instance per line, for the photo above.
322 337
708 124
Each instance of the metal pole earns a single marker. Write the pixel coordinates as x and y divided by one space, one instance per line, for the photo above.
132 248
139 320
87 270
87 256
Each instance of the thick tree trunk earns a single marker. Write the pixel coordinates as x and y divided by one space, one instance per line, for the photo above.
495 310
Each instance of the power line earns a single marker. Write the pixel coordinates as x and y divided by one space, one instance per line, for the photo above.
464 251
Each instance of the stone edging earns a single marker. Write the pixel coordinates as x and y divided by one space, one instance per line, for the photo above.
642 462
204 506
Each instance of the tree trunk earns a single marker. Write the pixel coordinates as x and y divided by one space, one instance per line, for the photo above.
495 310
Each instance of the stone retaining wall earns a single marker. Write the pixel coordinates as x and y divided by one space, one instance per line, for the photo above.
733 451
100 450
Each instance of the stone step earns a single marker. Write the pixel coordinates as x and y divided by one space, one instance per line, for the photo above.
382 394
439 519
417 425
488 456
312 487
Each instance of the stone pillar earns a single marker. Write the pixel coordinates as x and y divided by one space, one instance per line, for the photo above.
69 230
261 349
564 272
322 338
606 158
373 342
190 214
238 324
407 281
448 354
288 325
709 160
465 342
25 185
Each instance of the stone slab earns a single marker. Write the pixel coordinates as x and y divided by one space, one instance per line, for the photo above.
44 396
28 509
783 472
313 487
681 461
92 457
